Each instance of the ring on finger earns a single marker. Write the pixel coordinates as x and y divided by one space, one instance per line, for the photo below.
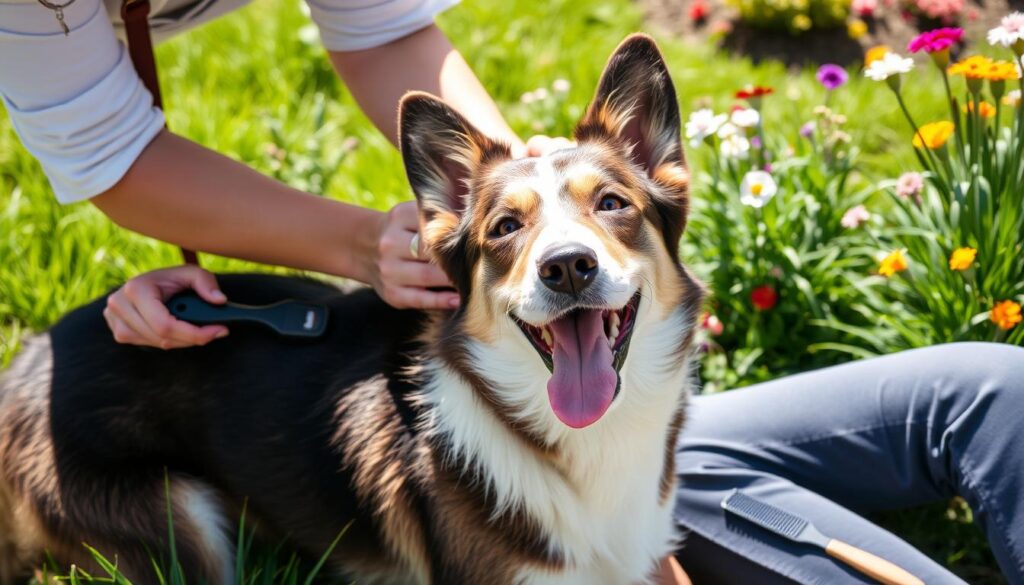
414 246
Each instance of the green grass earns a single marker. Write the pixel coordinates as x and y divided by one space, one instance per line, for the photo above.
256 86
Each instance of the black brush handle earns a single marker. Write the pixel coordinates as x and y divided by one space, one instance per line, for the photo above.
289 318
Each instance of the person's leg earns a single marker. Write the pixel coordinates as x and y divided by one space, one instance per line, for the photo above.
890 432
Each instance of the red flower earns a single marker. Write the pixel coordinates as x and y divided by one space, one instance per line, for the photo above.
764 297
753 91
699 11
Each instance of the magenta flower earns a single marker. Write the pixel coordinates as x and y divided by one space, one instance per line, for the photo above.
936 40
832 76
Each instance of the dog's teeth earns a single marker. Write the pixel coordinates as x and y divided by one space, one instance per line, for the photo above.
545 334
613 321
613 334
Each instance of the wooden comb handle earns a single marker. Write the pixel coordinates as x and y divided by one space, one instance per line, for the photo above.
867 563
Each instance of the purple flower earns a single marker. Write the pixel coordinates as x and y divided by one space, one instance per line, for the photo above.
832 76
807 130
755 142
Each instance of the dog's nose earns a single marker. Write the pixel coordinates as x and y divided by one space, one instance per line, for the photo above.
568 269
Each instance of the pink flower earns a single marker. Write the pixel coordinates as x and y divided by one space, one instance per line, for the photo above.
712 324
854 217
910 185
944 10
864 7
936 40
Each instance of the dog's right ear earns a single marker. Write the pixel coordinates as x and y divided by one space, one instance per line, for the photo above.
441 151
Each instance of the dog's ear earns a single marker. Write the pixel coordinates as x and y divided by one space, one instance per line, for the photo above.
441 151
635 108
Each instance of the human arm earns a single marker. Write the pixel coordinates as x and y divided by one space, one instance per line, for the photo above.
670 573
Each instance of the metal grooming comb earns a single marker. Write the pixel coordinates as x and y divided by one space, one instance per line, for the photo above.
288 318
798 529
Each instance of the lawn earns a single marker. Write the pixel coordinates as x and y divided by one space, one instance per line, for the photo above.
256 86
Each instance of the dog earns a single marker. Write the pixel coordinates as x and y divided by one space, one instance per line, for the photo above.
526 437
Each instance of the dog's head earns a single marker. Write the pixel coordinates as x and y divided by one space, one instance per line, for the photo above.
560 259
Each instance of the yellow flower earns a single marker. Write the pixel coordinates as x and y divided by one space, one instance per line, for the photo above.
893 263
1001 71
802 22
971 67
856 29
985 109
874 54
933 135
979 67
962 258
1005 314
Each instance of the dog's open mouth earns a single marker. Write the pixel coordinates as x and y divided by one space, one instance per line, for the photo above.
584 349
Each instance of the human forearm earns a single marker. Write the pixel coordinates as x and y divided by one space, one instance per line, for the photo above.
182 193
424 61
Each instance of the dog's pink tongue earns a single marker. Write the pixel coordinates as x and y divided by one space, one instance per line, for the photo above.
582 386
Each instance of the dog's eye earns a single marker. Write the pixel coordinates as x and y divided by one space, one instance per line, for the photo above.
611 203
505 227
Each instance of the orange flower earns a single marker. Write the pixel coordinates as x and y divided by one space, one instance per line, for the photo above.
893 263
985 109
933 135
962 258
874 54
979 67
1005 314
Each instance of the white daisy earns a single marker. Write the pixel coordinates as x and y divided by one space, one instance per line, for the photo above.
728 129
1009 31
735 146
745 118
757 188
889 65
703 123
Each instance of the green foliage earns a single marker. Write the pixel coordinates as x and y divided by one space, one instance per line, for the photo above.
973 201
795 16
791 243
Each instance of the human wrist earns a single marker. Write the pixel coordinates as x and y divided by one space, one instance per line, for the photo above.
359 256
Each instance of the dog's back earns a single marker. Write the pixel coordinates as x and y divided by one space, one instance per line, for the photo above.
250 412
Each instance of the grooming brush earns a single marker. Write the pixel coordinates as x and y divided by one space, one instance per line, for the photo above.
288 318
797 529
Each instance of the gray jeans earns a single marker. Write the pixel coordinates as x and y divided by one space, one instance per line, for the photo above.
896 431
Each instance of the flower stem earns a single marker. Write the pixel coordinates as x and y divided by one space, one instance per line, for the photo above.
917 132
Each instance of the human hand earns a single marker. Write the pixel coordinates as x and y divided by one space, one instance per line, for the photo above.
400 276
136 313
541 145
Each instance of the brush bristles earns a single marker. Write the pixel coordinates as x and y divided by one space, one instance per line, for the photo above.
764 514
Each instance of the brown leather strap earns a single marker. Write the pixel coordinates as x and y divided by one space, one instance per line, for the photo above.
135 14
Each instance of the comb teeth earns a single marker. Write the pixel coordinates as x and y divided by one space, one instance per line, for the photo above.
764 514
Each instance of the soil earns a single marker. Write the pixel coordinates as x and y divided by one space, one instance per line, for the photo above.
816 45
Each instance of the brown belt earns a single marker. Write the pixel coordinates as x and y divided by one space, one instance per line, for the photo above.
135 14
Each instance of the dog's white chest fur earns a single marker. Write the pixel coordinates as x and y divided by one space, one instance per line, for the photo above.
598 503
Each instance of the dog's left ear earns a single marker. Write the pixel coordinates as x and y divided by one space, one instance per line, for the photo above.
635 108
442 151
